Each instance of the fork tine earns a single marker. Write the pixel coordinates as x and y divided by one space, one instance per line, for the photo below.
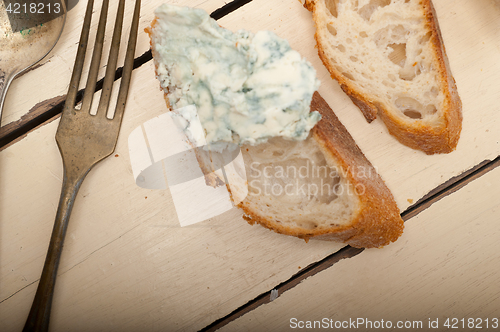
80 57
109 78
96 59
128 66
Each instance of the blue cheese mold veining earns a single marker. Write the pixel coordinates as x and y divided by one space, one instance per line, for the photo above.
246 87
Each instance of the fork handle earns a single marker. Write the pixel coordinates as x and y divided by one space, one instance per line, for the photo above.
39 316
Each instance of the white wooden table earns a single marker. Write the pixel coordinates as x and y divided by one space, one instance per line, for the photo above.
127 265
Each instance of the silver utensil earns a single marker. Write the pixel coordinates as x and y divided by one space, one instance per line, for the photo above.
84 140
27 35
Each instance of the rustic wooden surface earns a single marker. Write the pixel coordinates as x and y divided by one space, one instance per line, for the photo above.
134 260
435 272
127 265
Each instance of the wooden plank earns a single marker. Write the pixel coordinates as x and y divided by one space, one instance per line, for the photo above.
445 266
450 187
127 265
395 162
126 262
50 78
267 297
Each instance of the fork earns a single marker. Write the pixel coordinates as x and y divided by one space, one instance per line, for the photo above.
84 140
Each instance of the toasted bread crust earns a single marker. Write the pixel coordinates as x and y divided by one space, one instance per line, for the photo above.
431 140
377 221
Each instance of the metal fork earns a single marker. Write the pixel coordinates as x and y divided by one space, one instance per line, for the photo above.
84 140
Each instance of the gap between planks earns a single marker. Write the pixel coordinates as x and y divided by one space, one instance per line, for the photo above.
48 110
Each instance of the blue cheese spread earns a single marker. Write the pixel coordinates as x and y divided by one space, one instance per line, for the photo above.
246 87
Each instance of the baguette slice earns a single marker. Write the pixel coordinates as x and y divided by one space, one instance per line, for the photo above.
330 191
389 57
289 186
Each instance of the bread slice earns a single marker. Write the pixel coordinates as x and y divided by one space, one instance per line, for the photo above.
322 188
389 57
327 189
